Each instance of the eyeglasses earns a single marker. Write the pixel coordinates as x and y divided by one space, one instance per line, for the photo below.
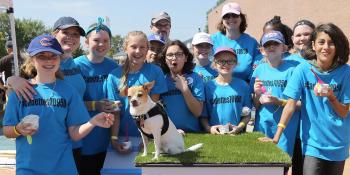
162 25
229 15
270 44
225 62
176 55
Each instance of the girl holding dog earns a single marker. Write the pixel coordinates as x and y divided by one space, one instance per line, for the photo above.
47 148
225 96
184 98
135 71
323 86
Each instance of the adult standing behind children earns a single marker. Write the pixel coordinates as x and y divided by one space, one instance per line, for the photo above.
231 34
323 87
7 64
161 25
44 146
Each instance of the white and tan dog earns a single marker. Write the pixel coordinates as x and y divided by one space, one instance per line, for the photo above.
153 122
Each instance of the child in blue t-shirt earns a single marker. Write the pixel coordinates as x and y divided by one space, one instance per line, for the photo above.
225 97
43 143
134 72
201 48
185 95
268 81
323 86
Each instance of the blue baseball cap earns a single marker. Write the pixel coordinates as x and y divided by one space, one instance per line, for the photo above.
272 36
66 22
156 37
44 43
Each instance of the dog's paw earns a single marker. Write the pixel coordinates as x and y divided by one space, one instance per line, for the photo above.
144 155
155 158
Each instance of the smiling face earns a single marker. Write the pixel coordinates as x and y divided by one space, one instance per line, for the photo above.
301 36
175 59
202 51
46 63
324 48
231 21
136 48
273 50
69 39
224 63
98 43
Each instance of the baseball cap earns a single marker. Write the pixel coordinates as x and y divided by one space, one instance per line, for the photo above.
201 37
159 16
224 49
231 7
8 44
156 37
66 22
272 36
44 43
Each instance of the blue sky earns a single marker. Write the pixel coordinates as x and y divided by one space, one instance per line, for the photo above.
125 15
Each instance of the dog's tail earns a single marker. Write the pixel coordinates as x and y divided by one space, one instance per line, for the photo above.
195 147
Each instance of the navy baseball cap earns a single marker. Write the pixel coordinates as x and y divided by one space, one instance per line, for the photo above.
156 37
66 22
272 36
44 43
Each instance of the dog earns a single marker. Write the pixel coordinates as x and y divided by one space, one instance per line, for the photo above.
153 122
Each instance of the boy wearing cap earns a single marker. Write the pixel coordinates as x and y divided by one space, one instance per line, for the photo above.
202 48
61 112
157 43
231 34
226 96
268 81
161 25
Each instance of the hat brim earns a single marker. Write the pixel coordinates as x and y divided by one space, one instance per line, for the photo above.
275 40
223 51
33 53
232 11
159 41
81 30
155 20
200 42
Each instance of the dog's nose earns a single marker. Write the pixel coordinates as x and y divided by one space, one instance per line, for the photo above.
133 102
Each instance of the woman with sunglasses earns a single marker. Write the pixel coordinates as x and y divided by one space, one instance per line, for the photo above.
226 96
185 95
231 34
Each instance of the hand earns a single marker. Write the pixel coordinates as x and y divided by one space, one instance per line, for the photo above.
265 139
25 129
268 99
106 106
275 139
181 83
119 147
235 129
22 87
215 129
257 86
104 120
328 94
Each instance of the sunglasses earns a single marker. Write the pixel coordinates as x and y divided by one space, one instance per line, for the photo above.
225 62
229 15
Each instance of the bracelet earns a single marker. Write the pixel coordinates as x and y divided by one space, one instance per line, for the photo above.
281 125
15 131
241 124
284 102
93 106
114 137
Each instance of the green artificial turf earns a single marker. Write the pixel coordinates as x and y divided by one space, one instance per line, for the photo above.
222 149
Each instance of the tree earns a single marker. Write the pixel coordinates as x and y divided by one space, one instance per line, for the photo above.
117 45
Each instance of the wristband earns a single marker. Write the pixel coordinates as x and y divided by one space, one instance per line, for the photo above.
15 131
281 125
284 102
114 137
93 106
241 124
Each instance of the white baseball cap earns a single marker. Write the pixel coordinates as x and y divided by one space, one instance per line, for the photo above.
231 7
201 37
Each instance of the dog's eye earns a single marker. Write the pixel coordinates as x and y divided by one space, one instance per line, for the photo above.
139 95
129 96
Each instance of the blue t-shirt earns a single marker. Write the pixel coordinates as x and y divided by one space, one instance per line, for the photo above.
95 74
324 134
73 77
176 106
206 72
224 103
148 73
246 48
58 106
268 116
296 58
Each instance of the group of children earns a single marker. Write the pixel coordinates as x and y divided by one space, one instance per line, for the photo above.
80 98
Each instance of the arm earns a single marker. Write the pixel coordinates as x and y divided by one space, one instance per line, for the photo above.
341 109
22 87
210 129
21 129
287 113
114 135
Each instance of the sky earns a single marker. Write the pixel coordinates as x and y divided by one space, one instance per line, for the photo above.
125 15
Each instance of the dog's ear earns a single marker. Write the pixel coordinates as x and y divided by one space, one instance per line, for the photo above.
148 86
124 91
